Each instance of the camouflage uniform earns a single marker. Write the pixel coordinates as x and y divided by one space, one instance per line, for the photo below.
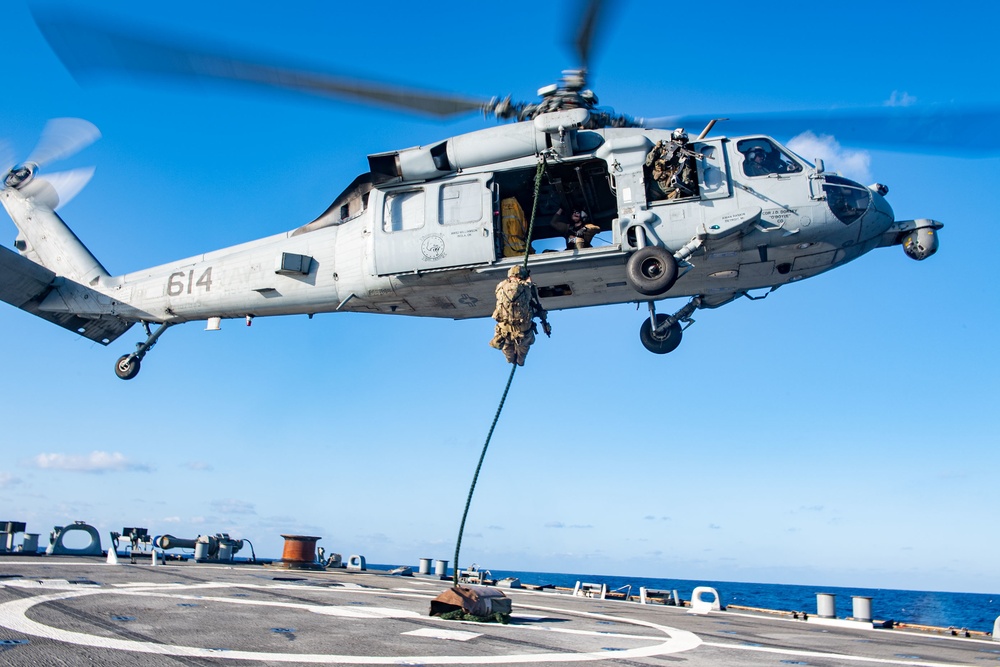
666 161
517 307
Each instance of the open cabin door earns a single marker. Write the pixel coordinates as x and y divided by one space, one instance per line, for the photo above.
434 226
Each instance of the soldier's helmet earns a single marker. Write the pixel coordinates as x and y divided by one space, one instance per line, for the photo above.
679 135
519 271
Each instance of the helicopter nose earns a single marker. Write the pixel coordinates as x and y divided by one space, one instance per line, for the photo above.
879 205
878 218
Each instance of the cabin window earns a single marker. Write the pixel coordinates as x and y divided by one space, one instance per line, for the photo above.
461 203
762 158
403 211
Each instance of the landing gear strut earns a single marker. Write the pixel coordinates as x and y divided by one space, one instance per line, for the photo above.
127 366
661 334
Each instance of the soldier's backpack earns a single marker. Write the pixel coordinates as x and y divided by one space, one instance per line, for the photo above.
513 303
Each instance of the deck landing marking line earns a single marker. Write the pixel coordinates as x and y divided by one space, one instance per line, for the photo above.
14 616
436 633
830 656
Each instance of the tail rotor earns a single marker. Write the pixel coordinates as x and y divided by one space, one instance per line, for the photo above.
60 139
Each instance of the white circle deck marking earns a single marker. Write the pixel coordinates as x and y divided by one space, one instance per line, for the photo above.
13 615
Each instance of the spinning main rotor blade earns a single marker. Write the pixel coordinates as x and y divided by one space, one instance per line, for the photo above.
87 48
584 40
968 131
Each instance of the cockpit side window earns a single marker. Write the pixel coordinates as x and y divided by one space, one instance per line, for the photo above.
762 158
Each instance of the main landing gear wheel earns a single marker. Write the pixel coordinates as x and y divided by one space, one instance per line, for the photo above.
127 367
651 271
660 343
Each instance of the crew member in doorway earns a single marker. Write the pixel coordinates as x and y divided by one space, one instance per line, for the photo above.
579 230
671 172
515 313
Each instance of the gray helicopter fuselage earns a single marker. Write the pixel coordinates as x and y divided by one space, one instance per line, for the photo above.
427 232
432 246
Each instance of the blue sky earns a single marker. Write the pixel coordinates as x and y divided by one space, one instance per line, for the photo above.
840 432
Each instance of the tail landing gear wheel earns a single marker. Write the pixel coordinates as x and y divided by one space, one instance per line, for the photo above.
651 271
127 367
660 343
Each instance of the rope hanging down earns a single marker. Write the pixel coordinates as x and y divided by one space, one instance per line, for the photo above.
510 379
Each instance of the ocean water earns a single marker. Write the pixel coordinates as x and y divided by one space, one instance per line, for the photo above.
974 611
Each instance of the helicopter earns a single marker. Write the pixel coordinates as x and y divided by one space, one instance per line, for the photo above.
427 230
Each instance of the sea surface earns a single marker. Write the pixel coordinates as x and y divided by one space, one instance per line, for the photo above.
972 611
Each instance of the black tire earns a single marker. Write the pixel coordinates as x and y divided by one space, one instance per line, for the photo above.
663 344
126 368
651 271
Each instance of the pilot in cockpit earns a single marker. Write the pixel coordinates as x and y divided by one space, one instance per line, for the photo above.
754 165
762 162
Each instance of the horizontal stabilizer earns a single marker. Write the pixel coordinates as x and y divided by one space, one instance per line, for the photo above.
25 284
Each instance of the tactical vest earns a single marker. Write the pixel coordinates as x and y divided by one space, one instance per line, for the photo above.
513 303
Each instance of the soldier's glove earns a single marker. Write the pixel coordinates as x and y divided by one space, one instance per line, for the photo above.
547 328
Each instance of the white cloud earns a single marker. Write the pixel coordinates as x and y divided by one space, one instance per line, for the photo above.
96 462
852 164
233 506
198 466
8 480
171 519
898 99
560 524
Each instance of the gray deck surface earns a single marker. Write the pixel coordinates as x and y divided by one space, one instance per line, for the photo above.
82 611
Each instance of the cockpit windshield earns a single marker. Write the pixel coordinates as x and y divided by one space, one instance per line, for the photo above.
848 200
761 157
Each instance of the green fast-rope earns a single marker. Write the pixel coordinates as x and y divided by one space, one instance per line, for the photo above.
482 456
510 379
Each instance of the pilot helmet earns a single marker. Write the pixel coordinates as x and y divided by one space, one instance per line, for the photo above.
679 135
756 152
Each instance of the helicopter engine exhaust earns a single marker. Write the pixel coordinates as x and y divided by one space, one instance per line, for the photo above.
920 243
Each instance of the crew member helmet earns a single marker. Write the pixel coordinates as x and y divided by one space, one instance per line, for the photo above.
519 271
679 135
